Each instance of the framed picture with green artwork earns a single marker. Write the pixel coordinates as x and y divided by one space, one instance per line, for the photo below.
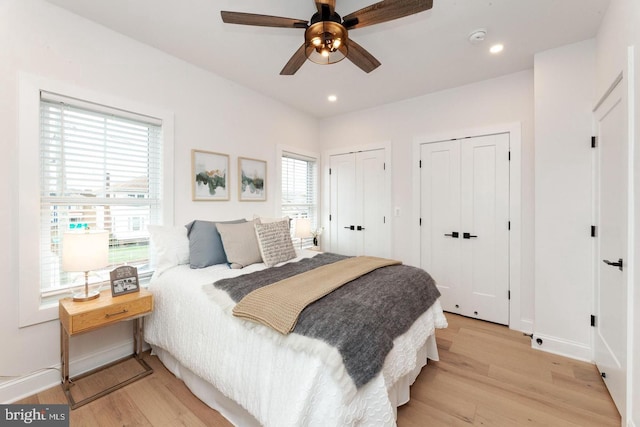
209 176
252 180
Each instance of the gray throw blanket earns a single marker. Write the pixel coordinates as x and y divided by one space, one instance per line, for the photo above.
362 318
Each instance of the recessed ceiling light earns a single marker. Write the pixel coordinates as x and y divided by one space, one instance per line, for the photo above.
332 98
496 48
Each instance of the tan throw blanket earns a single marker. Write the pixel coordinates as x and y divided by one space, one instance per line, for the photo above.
279 304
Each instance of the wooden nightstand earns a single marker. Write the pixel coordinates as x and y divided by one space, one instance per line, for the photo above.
80 317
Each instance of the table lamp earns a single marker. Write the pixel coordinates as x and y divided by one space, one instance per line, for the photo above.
303 229
85 251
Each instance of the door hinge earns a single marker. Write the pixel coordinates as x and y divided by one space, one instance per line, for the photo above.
509 225
329 171
384 219
420 223
384 166
420 164
509 155
594 141
593 320
593 231
329 217
509 295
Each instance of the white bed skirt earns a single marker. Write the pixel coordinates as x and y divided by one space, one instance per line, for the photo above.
238 416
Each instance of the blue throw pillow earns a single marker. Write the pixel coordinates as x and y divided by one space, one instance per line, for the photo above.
205 244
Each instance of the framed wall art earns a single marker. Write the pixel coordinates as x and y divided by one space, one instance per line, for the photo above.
124 280
209 176
252 179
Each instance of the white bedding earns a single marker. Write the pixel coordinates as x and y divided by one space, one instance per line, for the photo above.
281 380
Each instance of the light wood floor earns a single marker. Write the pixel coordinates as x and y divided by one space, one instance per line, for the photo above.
487 376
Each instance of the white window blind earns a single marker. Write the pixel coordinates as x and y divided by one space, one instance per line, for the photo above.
299 189
100 168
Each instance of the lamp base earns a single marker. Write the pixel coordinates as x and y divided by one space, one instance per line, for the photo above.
86 296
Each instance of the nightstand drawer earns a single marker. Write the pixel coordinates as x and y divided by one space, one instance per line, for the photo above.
111 314
77 317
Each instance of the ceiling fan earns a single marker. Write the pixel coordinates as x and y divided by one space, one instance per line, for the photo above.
326 37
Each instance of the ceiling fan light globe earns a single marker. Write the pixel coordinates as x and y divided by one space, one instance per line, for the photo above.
325 42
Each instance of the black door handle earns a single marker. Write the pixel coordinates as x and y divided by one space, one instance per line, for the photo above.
453 234
618 264
468 236
360 228
350 227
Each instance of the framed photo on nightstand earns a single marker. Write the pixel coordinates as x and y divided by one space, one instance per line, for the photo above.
124 280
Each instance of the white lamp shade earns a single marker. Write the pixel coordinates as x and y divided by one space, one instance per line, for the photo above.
303 228
85 251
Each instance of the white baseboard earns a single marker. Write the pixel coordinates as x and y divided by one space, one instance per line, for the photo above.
571 349
28 385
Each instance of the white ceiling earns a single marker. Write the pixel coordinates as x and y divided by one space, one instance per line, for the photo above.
420 54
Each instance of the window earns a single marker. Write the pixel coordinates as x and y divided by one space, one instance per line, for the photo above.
100 168
299 190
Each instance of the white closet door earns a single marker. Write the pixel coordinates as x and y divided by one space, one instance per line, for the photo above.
440 231
344 209
611 282
370 170
359 201
465 224
485 215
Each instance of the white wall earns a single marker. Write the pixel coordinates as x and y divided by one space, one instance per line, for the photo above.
564 98
498 101
210 113
218 115
618 32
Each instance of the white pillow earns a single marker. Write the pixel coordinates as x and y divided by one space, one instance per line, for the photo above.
169 247
274 241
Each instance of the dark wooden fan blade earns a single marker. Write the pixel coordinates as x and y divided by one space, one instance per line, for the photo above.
359 56
295 62
261 20
330 3
384 11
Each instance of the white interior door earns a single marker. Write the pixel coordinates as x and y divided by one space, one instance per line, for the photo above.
465 224
343 210
370 169
440 229
611 284
485 215
359 202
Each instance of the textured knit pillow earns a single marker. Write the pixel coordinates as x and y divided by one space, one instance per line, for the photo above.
274 240
169 247
205 246
240 243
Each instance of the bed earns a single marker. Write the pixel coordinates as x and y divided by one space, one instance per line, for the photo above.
254 375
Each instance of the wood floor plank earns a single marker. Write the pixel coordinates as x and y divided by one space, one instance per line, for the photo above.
116 409
488 375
